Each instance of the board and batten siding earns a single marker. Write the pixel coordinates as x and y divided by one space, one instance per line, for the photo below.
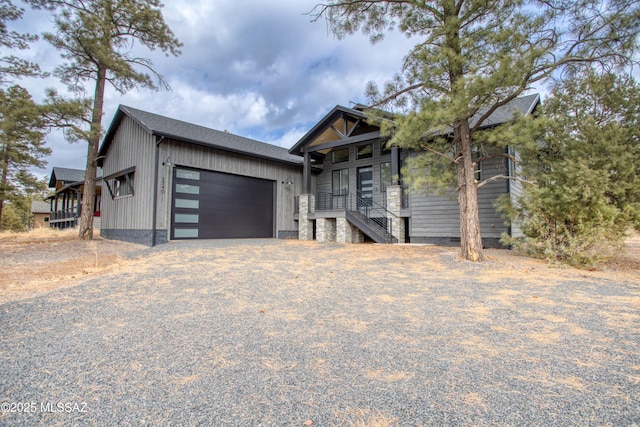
436 218
196 156
132 146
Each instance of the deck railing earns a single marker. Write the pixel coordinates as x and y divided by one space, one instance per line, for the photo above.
68 213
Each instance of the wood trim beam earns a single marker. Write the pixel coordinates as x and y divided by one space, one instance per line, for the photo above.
341 142
355 126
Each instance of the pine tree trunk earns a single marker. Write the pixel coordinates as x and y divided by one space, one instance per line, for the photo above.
89 192
3 186
470 238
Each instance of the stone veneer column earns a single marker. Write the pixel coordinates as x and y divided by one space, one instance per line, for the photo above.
394 204
307 205
325 230
347 233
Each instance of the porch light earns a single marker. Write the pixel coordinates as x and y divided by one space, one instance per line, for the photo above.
288 181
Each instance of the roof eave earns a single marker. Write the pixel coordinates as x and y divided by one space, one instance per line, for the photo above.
295 150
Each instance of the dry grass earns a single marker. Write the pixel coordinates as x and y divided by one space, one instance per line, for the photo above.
38 235
44 259
521 315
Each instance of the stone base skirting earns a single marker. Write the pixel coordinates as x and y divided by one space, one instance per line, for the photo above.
326 229
347 233
305 225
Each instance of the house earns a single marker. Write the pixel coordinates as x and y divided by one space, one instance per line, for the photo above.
40 212
65 205
166 179
359 191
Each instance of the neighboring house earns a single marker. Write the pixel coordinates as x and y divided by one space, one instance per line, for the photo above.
359 190
40 212
166 179
65 204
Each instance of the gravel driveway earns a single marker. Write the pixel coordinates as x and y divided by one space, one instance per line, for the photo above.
288 333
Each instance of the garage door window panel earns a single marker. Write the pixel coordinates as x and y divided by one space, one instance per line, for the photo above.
187 189
187 218
185 233
187 203
187 174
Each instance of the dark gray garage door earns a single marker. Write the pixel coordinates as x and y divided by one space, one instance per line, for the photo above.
214 205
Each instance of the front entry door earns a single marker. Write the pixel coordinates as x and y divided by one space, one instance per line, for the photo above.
365 186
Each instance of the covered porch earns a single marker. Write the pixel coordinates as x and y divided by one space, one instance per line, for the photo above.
349 157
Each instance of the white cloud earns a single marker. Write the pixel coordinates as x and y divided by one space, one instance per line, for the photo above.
256 68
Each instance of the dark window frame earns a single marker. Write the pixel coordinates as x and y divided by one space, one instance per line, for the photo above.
343 181
340 160
384 184
121 184
366 155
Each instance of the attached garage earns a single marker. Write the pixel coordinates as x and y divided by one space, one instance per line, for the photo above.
215 205
187 181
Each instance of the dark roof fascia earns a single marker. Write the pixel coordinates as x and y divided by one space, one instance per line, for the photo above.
108 137
122 110
535 101
320 126
77 184
358 112
219 147
65 173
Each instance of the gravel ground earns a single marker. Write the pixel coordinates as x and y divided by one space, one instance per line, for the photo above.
270 332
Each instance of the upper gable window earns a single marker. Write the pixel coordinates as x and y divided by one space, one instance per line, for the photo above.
339 156
364 151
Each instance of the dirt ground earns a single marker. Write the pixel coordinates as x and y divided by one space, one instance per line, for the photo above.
38 262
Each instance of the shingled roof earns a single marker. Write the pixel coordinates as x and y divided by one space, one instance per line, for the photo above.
65 175
182 131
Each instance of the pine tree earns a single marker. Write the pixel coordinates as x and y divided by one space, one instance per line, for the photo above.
12 66
22 144
473 57
96 38
587 166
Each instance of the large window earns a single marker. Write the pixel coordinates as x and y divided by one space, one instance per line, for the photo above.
385 176
340 181
339 156
364 151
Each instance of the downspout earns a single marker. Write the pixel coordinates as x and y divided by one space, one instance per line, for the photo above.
154 213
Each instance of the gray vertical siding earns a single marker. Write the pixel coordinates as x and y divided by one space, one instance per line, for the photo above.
131 146
130 217
200 157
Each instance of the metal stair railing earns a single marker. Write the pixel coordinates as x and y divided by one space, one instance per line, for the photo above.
374 215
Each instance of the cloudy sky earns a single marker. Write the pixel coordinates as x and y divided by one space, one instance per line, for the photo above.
260 69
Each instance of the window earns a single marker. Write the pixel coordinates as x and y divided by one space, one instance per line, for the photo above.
364 151
384 150
187 174
340 181
123 185
339 156
478 165
385 176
